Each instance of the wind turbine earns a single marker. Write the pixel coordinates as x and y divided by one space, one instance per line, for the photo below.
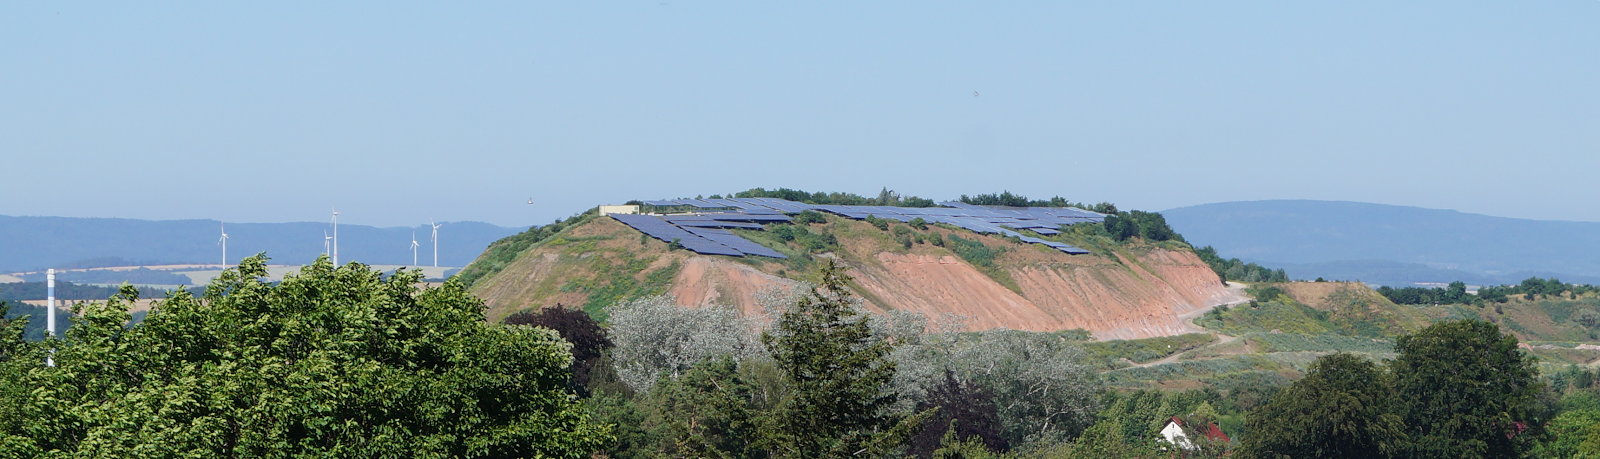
435 241
335 237
223 241
414 246
325 245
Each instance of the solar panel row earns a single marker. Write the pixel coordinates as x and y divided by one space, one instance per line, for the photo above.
734 241
716 224
699 234
667 232
752 212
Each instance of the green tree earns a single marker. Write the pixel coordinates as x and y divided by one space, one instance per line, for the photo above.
332 362
839 376
1567 432
706 412
1105 440
1465 391
1343 407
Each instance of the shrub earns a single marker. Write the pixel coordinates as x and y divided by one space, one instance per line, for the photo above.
882 224
808 217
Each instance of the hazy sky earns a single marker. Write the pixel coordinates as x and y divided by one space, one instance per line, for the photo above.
462 111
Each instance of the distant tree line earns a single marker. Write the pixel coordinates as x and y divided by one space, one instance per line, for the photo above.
1150 226
1456 292
1236 270
886 197
35 328
1006 198
19 291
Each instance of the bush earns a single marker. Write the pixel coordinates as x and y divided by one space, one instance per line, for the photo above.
811 242
882 224
1236 270
808 217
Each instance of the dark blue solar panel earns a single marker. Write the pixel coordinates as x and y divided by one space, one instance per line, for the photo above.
666 232
959 205
716 224
722 202
761 218
697 203
702 233
751 205
705 246
786 206
734 241
841 211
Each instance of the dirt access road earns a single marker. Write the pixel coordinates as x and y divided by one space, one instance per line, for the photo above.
1188 321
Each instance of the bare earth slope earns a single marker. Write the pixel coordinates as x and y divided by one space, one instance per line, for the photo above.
1116 294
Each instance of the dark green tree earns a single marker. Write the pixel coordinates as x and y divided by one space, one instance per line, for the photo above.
1343 407
707 412
809 216
1465 391
839 376
965 411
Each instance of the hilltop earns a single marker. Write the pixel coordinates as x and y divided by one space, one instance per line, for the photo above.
1119 289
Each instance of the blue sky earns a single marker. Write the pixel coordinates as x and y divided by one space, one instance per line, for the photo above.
401 112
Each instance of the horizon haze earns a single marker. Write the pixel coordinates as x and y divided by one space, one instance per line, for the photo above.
396 114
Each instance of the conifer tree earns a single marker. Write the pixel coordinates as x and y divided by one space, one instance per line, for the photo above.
839 375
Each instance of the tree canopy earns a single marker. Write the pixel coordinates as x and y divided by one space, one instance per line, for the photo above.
331 362
1465 391
1341 408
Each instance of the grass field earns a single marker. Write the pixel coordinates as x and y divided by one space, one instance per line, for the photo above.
1276 338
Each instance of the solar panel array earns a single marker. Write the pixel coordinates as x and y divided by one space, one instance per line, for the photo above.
706 232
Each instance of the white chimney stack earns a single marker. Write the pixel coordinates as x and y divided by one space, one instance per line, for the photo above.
50 312
50 301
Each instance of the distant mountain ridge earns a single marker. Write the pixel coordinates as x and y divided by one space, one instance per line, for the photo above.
1307 237
32 243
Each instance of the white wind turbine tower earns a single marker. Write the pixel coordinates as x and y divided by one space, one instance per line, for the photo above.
335 238
414 246
223 241
435 241
325 246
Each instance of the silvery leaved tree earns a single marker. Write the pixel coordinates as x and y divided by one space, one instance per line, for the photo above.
656 337
1044 392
